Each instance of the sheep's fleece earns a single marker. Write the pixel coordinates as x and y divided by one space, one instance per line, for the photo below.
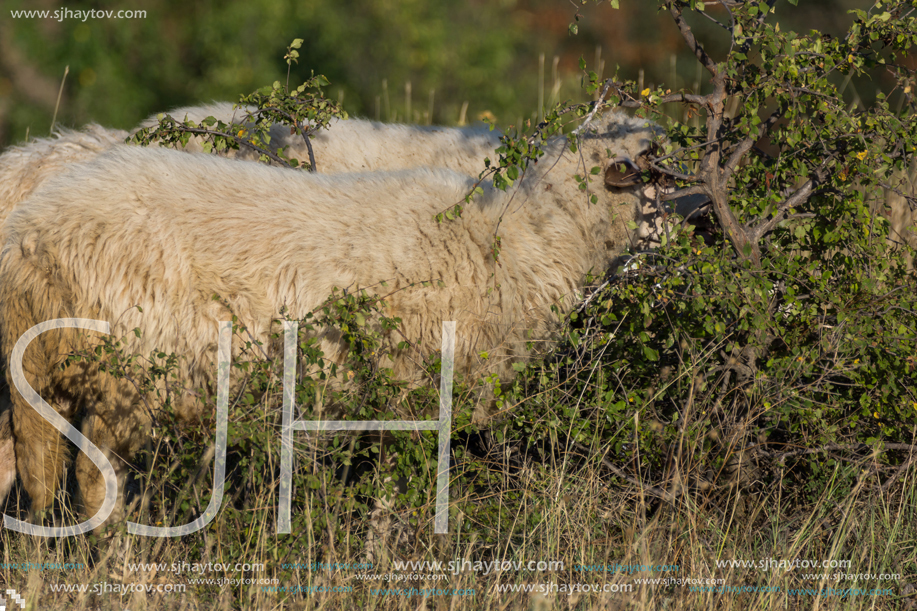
23 168
167 230
356 145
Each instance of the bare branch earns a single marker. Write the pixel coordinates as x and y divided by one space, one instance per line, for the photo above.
801 215
747 144
910 199
798 197
648 490
695 190
674 174
808 91
689 148
716 21
683 98
717 185
716 107
732 24
308 140
300 129
905 466
214 132
691 41
678 97
595 107
780 458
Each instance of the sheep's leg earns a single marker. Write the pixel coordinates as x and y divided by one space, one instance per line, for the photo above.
40 453
380 527
7 447
90 479
116 425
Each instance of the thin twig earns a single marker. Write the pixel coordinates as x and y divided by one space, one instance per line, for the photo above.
781 458
214 132
60 92
595 107
690 40
645 489
747 144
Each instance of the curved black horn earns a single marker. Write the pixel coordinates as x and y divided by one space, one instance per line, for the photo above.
622 173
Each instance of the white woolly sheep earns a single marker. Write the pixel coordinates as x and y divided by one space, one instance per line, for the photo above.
166 230
356 145
23 169
350 145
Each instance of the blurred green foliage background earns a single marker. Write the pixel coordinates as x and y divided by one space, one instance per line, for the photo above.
483 53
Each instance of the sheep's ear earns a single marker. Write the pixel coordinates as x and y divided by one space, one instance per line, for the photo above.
622 173
645 163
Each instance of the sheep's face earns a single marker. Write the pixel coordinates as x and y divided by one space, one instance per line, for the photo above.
623 146
625 178
624 173
626 151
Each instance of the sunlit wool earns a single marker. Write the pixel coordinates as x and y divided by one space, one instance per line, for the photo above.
24 168
166 231
356 145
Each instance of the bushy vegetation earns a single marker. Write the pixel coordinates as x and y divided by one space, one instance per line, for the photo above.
481 52
746 391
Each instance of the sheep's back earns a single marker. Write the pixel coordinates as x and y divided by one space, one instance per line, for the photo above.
142 227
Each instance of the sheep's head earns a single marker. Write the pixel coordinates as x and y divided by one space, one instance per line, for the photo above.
622 146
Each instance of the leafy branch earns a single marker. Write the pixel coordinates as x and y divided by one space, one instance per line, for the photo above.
304 109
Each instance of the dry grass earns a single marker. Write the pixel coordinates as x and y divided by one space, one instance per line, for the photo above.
573 514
